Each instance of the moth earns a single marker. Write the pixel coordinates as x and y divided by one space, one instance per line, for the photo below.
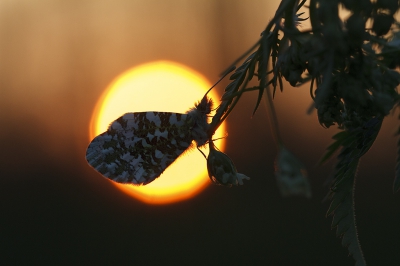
138 147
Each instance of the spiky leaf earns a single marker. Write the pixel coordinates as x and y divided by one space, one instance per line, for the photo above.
339 138
355 143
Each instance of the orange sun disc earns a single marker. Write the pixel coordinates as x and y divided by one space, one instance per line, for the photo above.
159 86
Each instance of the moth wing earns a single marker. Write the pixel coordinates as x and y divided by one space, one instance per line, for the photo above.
138 147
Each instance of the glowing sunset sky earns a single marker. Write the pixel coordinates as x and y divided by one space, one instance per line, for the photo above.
56 59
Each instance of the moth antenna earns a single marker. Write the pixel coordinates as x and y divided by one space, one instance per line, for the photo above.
221 78
202 152
218 139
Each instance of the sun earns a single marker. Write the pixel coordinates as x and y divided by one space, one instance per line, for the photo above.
159 86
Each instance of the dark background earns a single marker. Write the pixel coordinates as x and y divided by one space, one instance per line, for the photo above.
56 58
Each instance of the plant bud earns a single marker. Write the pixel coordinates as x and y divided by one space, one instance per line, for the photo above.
221 169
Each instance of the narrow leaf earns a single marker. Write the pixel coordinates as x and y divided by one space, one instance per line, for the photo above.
252 65
342 207
237 73
354 143
265 49
339 137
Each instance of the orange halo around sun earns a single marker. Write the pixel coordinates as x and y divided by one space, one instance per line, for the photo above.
159 86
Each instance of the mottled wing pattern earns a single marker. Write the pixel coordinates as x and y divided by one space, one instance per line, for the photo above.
138 147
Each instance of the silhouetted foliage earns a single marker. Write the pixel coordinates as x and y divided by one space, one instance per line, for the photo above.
351 65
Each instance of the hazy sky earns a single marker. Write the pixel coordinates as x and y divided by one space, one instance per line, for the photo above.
56 58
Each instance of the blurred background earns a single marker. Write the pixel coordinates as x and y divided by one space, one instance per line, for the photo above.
56 59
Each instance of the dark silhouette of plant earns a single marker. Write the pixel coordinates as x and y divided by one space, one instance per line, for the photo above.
351 66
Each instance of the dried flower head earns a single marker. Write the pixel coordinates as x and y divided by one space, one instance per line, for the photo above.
221 169
291 175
